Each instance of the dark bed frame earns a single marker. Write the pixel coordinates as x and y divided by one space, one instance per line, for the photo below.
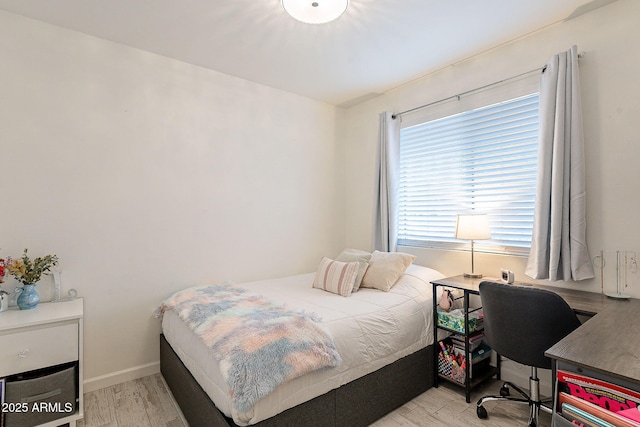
358 403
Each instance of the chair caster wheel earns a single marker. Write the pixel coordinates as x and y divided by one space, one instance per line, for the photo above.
532 424
504 391
481 412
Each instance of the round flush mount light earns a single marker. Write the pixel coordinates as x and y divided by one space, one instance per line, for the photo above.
315 11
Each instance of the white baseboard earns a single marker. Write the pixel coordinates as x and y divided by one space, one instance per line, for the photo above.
108 380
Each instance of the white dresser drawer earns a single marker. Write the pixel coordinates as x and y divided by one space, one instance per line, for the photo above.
34 348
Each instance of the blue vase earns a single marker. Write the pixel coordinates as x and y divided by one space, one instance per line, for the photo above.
28 297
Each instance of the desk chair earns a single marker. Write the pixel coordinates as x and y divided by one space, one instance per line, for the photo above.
521 323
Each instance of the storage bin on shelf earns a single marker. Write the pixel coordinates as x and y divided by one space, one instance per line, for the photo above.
480 359
454 320
47 394
448 369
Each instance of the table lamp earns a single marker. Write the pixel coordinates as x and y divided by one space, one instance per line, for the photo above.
473 227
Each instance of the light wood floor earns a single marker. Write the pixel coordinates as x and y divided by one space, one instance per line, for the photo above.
144 402
147 403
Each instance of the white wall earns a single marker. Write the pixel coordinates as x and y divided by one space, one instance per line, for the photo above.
609 39
146 175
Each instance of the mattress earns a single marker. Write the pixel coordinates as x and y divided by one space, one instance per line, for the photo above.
370 329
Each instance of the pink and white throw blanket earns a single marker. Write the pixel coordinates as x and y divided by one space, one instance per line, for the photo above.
257 343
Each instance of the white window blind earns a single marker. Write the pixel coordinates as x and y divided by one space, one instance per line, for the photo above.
482 160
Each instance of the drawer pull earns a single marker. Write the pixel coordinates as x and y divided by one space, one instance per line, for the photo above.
24 353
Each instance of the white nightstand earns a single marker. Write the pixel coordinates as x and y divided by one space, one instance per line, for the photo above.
49 335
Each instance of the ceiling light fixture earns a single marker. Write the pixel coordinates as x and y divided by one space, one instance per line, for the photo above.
315 11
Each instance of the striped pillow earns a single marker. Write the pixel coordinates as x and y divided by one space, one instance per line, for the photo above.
335 276
361 257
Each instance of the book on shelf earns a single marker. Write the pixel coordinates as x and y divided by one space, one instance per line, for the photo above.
581 418
573 406
474 341
606 401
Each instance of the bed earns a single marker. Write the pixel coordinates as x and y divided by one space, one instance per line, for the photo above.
384 340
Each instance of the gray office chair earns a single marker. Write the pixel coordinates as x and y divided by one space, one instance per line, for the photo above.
521 323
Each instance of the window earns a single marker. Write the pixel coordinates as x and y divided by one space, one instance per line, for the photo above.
481 160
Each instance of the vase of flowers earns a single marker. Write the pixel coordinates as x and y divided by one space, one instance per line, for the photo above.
29 297
29 272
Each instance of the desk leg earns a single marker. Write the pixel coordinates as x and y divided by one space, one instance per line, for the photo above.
467 356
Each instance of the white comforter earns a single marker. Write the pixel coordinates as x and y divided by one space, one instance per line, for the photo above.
370 329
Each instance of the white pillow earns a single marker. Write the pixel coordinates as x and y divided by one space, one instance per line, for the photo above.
385 268
336 277
361 257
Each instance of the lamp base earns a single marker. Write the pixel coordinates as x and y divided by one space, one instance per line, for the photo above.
473 275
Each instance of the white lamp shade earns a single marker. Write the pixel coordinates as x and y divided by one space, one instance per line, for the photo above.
473 227
315 11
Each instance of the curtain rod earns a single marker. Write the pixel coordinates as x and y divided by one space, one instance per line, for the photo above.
458 96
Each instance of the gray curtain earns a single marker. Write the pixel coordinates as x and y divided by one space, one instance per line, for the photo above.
386 184
559 246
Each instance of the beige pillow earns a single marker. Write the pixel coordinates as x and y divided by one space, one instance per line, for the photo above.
361 257
336 277
385 268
